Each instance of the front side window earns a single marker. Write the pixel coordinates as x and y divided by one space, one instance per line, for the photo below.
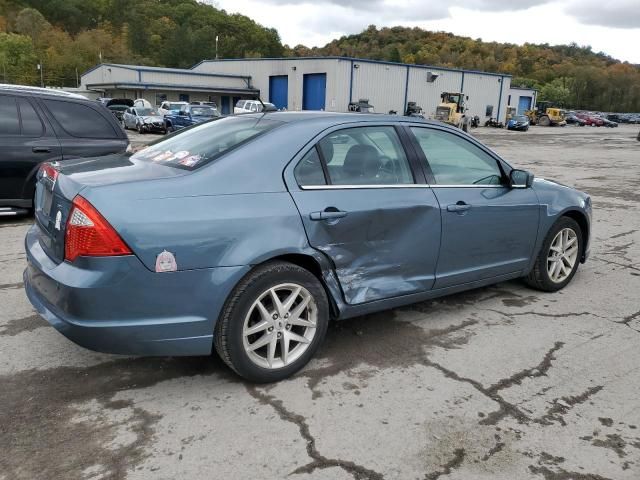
80 120
456 161
366 156
200 145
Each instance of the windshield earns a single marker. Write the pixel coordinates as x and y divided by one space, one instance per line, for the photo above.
197 146
145 112
175 106
204 112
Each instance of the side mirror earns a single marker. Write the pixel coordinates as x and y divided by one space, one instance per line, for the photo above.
520 179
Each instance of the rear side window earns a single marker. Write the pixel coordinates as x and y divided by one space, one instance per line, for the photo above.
309 171
31 123
80 120
9 120
366 156
195 147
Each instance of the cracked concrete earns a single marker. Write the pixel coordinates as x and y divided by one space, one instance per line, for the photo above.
502 382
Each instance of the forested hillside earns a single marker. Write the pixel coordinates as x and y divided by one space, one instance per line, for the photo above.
75 34
574 76
70 36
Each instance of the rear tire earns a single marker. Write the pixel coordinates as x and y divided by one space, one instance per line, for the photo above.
250 306
541 276
544 121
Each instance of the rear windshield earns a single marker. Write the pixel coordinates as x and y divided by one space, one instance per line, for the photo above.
204 112
195 147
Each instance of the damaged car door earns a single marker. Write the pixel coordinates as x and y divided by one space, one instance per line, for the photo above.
365 206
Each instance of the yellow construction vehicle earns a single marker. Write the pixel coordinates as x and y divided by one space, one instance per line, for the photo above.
546 115
452 110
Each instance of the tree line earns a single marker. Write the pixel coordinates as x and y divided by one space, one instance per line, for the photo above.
67 37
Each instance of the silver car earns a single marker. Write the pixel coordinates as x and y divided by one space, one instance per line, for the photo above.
143 120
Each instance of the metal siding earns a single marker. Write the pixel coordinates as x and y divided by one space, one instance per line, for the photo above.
108 74
518 93
426 94
484 90
338 71
383 85
191 80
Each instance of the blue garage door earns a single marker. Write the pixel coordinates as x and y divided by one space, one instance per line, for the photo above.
224 107
524 104
314 87
279 91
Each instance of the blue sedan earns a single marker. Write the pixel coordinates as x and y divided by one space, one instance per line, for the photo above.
248 234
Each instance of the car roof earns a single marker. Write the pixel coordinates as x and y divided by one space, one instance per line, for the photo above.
332 118
9 88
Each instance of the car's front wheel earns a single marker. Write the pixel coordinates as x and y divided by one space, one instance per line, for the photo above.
559 257
272 323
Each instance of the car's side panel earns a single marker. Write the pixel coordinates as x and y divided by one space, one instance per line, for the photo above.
387 244
206 231
496 236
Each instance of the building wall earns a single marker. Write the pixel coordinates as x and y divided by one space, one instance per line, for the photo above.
337 93
516 92
385 85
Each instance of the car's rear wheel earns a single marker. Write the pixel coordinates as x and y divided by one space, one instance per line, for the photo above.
559 257
272 323
140 129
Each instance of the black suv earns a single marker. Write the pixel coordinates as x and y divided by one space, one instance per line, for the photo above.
40 125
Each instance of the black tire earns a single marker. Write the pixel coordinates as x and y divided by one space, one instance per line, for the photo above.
228 331
140 129
539 278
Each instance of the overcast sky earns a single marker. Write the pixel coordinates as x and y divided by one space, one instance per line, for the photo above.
611 26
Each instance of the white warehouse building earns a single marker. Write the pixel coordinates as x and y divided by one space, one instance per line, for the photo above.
308 83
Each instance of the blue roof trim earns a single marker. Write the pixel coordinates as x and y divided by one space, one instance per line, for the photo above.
524 88
151 86
178 71
353 59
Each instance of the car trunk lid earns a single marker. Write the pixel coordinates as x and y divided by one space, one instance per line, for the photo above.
58 184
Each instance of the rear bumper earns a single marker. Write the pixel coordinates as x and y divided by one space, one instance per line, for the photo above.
116 305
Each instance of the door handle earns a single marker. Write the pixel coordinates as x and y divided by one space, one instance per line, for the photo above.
459 207
41 150
329 213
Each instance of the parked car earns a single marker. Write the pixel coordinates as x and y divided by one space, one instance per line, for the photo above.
189 115
607 123
167 108
573 119
117 106
144 120
590 120
250 233
208 104
519 122
253 106
142 103
42 125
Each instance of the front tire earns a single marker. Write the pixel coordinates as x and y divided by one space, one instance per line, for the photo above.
272 323
559 257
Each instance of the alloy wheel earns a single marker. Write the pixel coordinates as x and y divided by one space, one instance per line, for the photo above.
280 326
563 255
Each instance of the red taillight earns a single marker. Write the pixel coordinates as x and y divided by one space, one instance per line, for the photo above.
88 234
49 171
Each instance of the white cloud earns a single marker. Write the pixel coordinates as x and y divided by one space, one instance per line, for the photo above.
612 26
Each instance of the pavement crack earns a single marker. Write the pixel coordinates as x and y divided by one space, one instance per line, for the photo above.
562 405
506 408
544 314
624 234
447 468
562 474
11 286
629 318
539 370
319 461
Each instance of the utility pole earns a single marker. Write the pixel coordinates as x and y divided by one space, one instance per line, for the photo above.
77 80
41 74
216 47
